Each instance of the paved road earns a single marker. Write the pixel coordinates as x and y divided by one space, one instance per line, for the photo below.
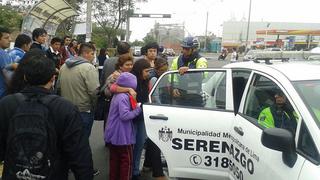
212 59
100 152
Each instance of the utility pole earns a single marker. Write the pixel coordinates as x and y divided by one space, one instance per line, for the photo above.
205 36
128 22
248 27
265 39
88 21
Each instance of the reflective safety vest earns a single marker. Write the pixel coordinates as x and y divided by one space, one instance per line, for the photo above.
266 119
195 64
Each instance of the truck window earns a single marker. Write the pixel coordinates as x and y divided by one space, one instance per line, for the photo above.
239 81
306 145
193 89
269 106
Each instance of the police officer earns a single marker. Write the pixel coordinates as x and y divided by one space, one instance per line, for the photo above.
190 57
280 115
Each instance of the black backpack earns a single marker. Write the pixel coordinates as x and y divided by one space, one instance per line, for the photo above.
31 150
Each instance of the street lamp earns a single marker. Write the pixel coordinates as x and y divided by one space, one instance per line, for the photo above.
265 39
129 13
88 21
206 30
205 36
248 27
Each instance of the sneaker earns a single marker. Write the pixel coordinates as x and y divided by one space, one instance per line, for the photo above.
96 172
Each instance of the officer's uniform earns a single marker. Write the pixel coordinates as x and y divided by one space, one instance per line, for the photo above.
269 118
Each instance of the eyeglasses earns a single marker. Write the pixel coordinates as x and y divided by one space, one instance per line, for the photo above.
186 48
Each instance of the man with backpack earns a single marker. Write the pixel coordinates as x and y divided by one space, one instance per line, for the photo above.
41 135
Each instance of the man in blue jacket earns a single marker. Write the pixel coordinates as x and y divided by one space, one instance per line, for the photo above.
5 60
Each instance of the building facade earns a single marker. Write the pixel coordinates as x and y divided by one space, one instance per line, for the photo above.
168 35
235 34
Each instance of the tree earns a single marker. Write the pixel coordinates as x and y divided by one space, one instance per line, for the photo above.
110 14
149 39
75 3
10 18
137 43
66 27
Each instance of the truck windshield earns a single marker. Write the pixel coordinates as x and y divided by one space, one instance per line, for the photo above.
310 93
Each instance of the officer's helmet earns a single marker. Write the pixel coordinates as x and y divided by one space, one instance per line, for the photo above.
190 42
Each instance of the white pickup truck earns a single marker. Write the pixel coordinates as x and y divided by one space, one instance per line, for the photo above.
211 131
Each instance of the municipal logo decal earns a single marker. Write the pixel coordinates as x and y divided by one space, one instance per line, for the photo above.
165 134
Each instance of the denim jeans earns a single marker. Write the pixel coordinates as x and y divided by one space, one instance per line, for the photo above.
87 120
141 136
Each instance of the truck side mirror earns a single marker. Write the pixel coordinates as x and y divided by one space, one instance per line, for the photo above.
281 140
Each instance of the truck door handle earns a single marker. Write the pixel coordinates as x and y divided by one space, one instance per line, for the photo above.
159 117
238 130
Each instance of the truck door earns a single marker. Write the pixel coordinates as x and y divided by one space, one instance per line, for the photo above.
188 118
249 158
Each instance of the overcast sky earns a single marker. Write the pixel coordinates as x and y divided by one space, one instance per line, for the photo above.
193 13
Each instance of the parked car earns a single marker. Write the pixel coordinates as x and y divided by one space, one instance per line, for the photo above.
273 49
169 52
250 55
211 130
314 57
136 50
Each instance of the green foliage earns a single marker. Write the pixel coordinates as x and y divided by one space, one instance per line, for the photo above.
149 39
137 43
105 37
10 18
99 37
65 28
110 14
75 3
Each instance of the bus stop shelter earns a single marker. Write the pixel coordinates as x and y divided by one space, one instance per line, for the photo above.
47 14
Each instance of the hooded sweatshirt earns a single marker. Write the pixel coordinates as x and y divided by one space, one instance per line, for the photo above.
119 127
78 82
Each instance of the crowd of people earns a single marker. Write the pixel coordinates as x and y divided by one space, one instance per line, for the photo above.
61 88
